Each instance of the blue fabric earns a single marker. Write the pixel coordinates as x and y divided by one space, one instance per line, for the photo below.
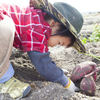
7 75
47 68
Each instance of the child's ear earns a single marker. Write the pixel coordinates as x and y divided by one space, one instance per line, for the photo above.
52 23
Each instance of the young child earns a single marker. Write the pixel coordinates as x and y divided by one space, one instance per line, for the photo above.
32 30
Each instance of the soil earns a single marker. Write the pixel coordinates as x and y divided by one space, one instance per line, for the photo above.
66 59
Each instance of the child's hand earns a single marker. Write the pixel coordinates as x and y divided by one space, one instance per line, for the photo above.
71 86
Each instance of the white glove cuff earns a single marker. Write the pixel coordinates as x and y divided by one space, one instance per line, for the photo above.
71 86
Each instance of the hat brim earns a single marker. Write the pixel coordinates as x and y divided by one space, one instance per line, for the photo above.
49 8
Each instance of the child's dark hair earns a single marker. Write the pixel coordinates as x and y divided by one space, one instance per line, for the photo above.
66 33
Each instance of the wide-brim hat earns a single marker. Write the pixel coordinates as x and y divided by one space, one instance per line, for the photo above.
66 14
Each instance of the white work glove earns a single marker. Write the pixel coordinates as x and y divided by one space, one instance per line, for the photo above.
71 86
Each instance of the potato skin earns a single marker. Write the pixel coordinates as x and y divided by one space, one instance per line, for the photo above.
88 86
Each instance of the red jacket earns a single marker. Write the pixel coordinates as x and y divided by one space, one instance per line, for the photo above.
32 31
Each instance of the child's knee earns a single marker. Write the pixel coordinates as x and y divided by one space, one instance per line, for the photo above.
7 26
7 30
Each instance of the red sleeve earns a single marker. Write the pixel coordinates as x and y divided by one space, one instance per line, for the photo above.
1 15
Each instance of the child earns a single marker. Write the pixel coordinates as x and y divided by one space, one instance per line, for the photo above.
33 30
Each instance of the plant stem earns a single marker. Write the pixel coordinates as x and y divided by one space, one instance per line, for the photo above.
92 72
90 55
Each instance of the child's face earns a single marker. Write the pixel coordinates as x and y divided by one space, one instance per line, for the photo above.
58 40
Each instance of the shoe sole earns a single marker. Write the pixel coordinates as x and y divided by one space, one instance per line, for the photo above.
27 90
